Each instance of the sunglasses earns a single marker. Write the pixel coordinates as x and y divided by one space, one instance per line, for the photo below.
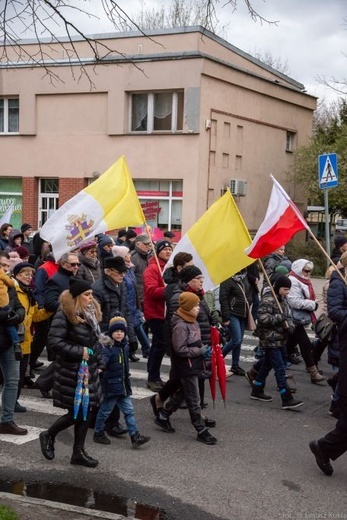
74 264
307 270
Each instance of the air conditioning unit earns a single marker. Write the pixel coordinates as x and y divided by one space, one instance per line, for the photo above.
238 187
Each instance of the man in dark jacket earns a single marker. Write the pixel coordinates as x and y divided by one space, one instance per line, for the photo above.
8 363
340 243
140 257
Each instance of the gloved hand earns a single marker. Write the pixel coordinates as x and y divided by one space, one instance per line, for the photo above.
204 349
13 318
208 352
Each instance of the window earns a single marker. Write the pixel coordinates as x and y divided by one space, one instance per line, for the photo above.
290 141
157 112
9 115
49 199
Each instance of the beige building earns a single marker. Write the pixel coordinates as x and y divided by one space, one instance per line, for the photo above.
192 114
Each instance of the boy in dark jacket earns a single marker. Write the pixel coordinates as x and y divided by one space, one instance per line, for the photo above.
116 385
273 327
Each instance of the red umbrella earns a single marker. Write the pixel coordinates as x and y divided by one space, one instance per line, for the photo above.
218 366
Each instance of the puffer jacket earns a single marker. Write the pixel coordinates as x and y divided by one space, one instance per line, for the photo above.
299 295
32 315
186 358
113 298
140 261
17 307
270 322
89 270
67 337
232 297
115 380
153 290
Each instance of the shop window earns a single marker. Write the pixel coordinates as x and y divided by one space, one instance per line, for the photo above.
9 115
157 112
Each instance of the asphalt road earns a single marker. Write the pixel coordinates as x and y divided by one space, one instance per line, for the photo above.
260 468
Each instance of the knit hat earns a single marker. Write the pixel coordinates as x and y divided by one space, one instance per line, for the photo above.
161 245
88 245
121 233
189 272
117 323
169 234
343 259
131 234
22 265
282 281
281 269
25 227
22 252
187 301
120 251
143 238
77 287
105 240
340 241
116 262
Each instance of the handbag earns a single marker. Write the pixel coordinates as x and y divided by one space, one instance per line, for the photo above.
301 317
324 328
250 324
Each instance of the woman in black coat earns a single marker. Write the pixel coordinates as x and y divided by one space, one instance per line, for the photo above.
74 332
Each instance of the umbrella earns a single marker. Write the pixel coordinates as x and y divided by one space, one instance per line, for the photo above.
218 366
82 390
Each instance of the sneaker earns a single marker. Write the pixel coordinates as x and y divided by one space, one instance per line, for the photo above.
238 371
137 440
101 438
47 445
258 394
206 438
295 359
18 408
290 403
164 424
134 358
116 430
322 460
155 386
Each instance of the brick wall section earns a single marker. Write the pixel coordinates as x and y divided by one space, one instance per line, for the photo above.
30 201
68 188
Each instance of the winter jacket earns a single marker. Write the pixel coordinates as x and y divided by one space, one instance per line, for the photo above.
113 299
89 270
115 380
54 287
337 309
133 299
15 233
17 307
140 261
299 295
186 358
66 338
270 324
32 315
232 299
42 274
153 290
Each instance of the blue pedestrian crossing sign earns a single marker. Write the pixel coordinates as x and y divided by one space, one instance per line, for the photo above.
327 169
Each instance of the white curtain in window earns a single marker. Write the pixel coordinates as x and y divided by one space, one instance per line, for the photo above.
162 105
140 109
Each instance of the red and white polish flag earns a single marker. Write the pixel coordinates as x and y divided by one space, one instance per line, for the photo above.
282 221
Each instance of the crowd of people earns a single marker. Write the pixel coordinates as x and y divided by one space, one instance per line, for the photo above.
96 307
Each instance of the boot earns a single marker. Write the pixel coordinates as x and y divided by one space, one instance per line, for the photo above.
258 393
251 375
101 438
288 401
81 458
206 438
137 439
47 445
316 377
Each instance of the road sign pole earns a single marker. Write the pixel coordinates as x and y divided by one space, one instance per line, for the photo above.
327 224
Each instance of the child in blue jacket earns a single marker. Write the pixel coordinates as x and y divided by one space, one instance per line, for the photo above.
116 384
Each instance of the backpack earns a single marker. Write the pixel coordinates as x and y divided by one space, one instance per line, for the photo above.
324 328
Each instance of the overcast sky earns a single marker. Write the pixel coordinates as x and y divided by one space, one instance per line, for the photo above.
310 35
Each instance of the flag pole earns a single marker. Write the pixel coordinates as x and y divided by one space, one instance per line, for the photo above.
312 235
270 285
152 245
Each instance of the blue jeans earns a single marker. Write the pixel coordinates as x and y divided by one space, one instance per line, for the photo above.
237 330
157 351
143 339
125 405
273 358
10 371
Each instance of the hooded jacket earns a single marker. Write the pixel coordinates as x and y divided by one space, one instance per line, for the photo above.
299 295
115 380
186 355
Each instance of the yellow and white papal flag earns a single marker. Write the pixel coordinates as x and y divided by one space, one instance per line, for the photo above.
217 242
110 202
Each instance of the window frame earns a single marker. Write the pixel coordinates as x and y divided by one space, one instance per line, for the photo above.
6 115
150 112
290 141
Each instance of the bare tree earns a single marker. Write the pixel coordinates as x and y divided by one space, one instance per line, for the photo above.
56 25
269 59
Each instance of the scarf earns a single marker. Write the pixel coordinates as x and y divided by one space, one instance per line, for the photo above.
90 317
185 315
28 291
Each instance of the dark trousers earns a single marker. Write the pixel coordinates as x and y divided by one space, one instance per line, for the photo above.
334 444
188 390
46 379
174 384
80 427
272 358
39 341
301 338
157 350
22 371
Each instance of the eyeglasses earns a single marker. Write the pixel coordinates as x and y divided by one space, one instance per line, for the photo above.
74 264
307 270
117 272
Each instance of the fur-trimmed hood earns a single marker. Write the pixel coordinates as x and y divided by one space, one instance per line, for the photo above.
67 304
